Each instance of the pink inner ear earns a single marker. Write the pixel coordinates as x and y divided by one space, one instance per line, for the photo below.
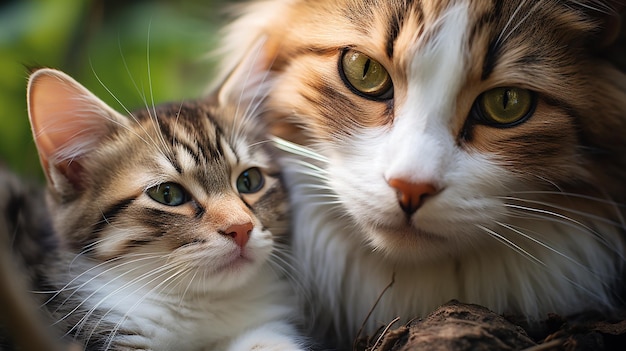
51 108
67 121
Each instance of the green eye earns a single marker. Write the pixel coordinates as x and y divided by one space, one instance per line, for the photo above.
250 181
505 107
170 194
365 75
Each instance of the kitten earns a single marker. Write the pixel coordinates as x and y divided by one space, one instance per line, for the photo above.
469 150
169 222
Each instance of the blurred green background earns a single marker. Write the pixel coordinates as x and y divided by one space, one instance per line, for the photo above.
105 45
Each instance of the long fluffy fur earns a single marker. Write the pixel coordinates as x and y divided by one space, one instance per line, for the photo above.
527 220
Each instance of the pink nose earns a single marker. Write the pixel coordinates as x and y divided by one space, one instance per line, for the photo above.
239 232
411 196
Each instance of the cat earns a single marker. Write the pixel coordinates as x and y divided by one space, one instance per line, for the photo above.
170 225
438 150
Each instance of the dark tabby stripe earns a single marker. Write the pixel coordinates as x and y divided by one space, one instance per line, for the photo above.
112 212
396 21
491 58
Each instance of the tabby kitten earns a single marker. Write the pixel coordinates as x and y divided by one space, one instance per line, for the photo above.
465 149
169 221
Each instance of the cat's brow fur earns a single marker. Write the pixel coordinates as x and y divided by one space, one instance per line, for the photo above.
529 219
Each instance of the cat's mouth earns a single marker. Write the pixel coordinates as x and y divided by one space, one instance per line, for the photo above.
235 261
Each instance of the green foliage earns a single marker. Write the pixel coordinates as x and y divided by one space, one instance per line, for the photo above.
130 54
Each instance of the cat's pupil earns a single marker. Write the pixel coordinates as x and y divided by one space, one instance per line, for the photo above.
366 67
250 181
167 195
170 194
365 76
505 99
505 106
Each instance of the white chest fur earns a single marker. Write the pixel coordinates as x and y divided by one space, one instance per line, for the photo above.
344 275
148 318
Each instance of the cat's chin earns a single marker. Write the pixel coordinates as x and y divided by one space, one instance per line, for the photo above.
236 263
227 275
408 244
225 270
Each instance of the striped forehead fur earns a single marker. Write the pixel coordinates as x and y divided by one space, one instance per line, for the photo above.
182 129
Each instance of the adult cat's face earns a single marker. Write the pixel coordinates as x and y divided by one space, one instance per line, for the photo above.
447 123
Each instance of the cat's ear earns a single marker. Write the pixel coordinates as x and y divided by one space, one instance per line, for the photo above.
68 122
251 78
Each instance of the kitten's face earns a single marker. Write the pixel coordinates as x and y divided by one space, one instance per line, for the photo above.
182 196
191 191
444 122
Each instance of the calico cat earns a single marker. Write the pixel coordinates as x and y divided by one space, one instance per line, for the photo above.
169 224
455 149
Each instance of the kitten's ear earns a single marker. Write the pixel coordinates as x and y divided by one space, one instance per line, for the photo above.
250 79
67 122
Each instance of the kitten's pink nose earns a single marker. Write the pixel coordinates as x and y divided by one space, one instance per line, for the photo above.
239 232
411 196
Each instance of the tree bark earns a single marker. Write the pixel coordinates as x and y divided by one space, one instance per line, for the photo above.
456 326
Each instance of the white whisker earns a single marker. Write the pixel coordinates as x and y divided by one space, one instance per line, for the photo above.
86 317
512 245
125 109
139 301
189 283
298 149
319 187
526 254
577 212
90 280
572 195
557 217
601 6
132 79
504 37
518 230
150 107
237 121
